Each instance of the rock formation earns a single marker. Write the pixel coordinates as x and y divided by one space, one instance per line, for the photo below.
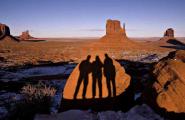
113 42
113 28
25 35
5 34
113 68
4 31
114 32
170 84
169 33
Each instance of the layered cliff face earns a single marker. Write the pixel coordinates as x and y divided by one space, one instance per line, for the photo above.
4 31
170 84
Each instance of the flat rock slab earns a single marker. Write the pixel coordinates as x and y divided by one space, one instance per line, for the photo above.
139 112
68 115
122 80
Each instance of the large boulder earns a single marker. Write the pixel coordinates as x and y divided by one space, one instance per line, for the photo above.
4 31
101 69
170 84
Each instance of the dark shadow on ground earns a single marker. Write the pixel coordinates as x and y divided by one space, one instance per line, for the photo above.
175 42
31 40
178 45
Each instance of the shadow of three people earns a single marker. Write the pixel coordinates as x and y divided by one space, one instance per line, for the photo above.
95 67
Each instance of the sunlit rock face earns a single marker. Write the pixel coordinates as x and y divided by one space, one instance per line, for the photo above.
95 76
4 31
113 27
169 33
170 84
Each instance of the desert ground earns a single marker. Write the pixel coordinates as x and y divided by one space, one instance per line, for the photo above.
73 50
39 75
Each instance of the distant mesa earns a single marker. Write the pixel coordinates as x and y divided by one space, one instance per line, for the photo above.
169 33
25 35
5 33
114 32
113 28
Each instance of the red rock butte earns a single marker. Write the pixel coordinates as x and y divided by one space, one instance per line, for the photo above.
4 31
169 33
113 28
25 35
114 41
114 32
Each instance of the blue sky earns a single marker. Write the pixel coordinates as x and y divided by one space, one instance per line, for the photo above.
87 18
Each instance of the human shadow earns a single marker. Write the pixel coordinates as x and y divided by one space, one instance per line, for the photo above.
123 101
110 74
84 69
97 66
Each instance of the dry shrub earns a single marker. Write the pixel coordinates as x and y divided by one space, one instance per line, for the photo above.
38 91
37 99
39 96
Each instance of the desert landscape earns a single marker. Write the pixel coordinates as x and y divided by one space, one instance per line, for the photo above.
110 77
